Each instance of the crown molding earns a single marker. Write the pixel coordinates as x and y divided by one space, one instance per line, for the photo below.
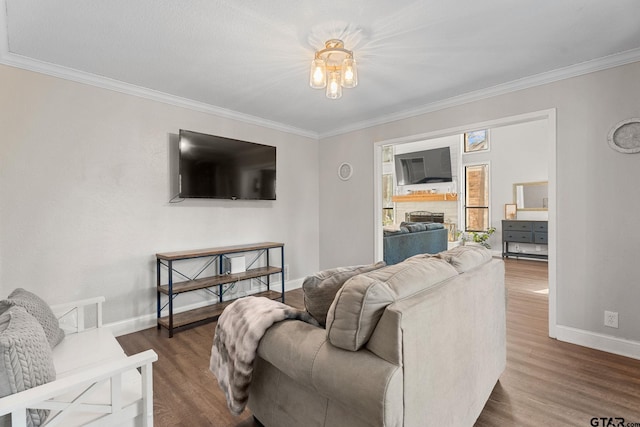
30 64
18 61
11 59
142 92
611 61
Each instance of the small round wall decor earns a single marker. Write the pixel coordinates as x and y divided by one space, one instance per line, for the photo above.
625 136
345 170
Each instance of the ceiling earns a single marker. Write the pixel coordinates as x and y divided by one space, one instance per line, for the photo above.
250 59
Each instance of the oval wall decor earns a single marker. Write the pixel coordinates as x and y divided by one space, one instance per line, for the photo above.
345 170
625 136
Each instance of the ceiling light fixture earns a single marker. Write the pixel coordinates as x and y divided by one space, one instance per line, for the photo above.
334 68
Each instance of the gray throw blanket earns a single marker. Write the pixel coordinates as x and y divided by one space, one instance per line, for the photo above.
235 343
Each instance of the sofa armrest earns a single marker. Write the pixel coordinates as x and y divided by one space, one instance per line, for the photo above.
292 346
47 396
302 352
362 383
72 316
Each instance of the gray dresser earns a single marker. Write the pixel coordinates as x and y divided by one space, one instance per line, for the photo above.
520 231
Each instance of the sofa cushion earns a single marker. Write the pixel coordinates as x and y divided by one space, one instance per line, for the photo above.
320 289
417 226
39 309
464 258
421 226
25 358
359 304
434 226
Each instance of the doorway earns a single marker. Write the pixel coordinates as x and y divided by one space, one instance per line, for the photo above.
547 148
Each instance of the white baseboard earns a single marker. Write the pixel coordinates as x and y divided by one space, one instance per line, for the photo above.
597 341
147 321
293 284
129 326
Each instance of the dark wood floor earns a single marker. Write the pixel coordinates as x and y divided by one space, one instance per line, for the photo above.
546 383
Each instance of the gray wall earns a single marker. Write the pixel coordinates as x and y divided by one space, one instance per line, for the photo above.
518 153
597 191
85 186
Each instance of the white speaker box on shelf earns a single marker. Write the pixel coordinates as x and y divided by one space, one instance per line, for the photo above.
238 265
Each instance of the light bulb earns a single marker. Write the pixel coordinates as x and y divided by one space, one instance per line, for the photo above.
349 77
334 89
318 74
348 74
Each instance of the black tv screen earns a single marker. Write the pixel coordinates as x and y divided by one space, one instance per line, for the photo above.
423 167
215 167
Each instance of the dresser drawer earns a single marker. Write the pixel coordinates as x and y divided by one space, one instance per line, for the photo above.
517 226
540 238
517 236
540 226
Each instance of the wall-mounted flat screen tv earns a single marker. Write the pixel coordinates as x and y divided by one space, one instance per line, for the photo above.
423 167
215 167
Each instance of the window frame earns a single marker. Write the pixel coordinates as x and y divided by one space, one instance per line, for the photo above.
465 207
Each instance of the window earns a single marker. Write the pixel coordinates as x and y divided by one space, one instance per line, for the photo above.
387 184
476 141
476 197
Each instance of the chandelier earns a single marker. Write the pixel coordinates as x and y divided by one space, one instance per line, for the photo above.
333 68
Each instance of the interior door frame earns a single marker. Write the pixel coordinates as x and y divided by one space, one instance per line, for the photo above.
550 117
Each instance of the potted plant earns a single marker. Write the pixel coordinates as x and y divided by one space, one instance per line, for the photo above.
478 237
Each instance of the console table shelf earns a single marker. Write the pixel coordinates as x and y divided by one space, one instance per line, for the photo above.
519 231
214 257
223 279
222 250
206 313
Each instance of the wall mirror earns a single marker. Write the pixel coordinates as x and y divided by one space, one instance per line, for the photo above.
531 196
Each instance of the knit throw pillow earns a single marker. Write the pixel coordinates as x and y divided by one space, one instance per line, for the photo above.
39 309
25 359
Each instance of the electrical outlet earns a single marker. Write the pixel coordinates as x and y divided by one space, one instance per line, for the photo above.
517 247
611 319
538 248
286 272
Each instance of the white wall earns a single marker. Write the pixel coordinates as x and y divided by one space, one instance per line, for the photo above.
453 142
517 153
596 207
450 209
85 185
346 207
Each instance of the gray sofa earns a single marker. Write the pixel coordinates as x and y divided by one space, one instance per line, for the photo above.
419 343
413 239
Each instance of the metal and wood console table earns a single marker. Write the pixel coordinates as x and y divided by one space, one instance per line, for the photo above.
518 231
217 284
